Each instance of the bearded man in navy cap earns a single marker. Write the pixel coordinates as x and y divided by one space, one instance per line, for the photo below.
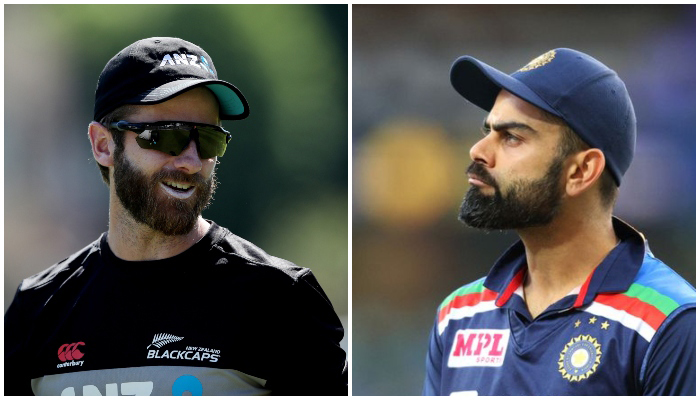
167 302
579 305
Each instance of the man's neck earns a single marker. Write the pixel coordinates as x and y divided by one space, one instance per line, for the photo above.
561 255
134 241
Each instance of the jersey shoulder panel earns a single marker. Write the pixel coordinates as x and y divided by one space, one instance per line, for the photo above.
465 302
232 245
656 276
657 291
59 272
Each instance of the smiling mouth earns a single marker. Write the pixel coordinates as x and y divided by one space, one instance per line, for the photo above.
176 189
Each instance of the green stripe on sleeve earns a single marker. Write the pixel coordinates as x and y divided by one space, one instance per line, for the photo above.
475 287
650 296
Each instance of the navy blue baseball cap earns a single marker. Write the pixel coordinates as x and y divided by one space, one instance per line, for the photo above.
574 86
155 70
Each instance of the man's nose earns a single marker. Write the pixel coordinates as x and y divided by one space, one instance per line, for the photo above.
188 161
482 151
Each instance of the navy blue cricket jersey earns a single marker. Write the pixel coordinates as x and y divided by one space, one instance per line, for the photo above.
628 330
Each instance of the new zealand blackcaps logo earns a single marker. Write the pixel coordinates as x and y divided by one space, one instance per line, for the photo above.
161 339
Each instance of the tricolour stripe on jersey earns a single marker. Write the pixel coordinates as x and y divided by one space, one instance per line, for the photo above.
640 308
467 312
663 303
474 287
466 302
650 314
628 320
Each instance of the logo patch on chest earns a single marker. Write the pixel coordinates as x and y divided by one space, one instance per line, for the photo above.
580 358
190 353
69 353
479 348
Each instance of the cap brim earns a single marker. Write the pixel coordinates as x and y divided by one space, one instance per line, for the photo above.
232 104
480 83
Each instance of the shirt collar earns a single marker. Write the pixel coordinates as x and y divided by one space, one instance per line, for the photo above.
614 274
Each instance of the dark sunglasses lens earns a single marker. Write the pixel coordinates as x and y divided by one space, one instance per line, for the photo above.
212 143
171 142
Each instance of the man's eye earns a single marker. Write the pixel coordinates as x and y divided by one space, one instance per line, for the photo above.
510 138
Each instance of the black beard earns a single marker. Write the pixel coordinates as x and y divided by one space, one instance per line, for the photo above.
525 204
146 203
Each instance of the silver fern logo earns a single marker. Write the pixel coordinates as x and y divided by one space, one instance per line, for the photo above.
161 339
179 351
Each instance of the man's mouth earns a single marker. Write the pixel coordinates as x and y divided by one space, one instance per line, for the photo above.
177 189
477 181
478 176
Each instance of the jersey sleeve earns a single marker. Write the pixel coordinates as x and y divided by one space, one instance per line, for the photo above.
17 379
433 364
669 367
311 361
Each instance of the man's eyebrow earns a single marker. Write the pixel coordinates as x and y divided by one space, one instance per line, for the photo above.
504 126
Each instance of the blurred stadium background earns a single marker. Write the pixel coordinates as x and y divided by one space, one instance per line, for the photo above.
411 138
284 179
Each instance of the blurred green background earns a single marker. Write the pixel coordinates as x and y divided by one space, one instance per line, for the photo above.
284 179
411 134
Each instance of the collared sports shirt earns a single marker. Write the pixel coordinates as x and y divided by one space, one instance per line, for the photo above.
628 330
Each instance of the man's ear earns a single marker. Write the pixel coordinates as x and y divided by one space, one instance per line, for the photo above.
584 170
102 144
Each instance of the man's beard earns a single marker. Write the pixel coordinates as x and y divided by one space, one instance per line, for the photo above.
525 204
145 201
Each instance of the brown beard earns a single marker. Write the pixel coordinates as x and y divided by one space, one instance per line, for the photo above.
145 201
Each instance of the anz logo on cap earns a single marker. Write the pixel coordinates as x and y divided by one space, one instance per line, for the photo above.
183 59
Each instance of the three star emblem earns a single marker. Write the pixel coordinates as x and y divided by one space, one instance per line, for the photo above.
603 325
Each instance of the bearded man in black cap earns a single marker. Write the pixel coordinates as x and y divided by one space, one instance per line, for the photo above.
578 306
167 302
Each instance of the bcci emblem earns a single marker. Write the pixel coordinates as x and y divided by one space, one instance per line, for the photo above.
580 358
539 61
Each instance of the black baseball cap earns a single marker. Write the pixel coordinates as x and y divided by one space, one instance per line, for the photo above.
590 97
157 69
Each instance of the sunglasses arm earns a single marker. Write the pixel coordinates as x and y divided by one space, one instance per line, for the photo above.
126 126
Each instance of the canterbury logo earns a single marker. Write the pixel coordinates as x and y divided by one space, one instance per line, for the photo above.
69 352
161 339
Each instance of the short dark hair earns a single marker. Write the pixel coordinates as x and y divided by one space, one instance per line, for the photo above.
115 115
571 143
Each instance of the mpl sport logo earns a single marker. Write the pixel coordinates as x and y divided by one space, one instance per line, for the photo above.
182 59
479 348
69 354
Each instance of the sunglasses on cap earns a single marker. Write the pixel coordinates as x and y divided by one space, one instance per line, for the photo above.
172 137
